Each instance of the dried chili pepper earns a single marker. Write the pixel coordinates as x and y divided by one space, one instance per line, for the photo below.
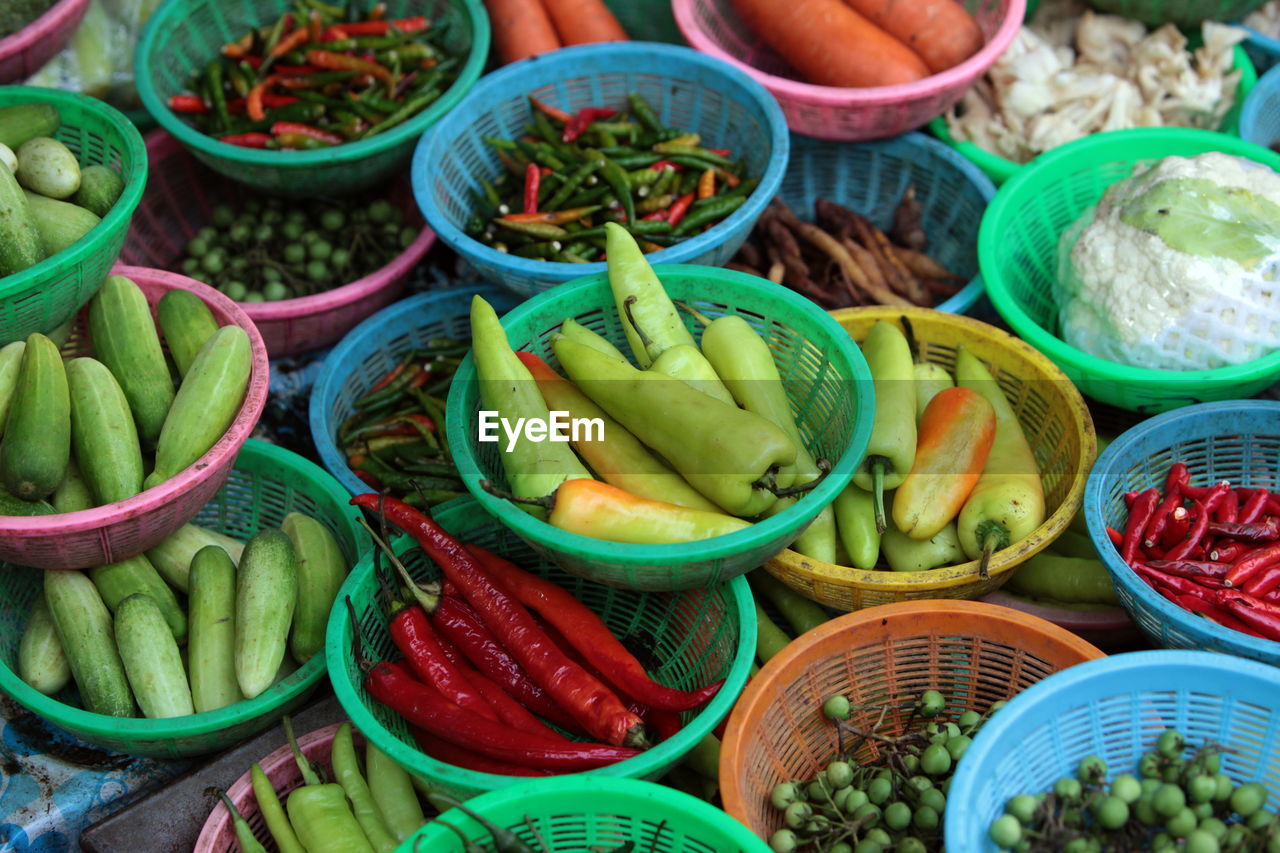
1143 507
1252 563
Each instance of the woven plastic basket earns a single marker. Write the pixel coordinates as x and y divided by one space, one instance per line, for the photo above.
179 201
376 346
1260 119
268 483
1263 50
25 52
871 177
106 534
48 294
695 637
973 653
1053 417
1115 708
847 114
647 20
826 379
1184 13
573 814
182 35
1000 169
1018 255
687 90
1237 440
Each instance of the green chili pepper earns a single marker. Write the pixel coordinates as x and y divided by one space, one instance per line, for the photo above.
273 38
273 812
213 73
643 178
645 114
892 448
856 521
770 639
347 772
575 331
801 613
616 177
709 214
393 793
503 144
618 128
671 148
696 163
652 203
538 251
417 104
503 838
573 182
244 835
666 179
909 555
593 196
640 298
540 153
319 813
540 230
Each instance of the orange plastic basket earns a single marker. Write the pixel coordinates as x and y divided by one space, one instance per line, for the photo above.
973 653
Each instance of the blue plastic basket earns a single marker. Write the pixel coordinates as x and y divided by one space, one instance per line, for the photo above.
1237 440
687 90
373 348
1260 117
1263 50
1115 708
870 178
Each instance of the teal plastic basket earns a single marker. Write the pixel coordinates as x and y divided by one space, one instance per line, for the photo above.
47 294
695 637
1115 708
826 379
1018 256
268 483
647 20
182 35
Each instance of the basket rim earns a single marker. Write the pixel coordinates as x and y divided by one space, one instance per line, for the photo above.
192 725
1260 39
851 97
287 161
161 145
1263 93
1110 464
55 16
843 354
500 84
117 218
338 638
1090 151
255 399
948 577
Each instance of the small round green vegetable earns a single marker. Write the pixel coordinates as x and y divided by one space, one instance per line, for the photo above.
1181 823
1169 800
783 841
784 794
897 815
797 814
934 799
1067 789
956 746
879 790
1023 807
868 814
1248 798
1111 812
1092 769
1171 743
932 703
836 708
1126 787
1006 831
840 774
926 818
235 290
910 844
969 720
333 220
936 760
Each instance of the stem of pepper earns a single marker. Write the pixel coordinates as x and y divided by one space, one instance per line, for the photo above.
547 502
309 775
421 593
878 464
824 468
995 538
503 839
645 340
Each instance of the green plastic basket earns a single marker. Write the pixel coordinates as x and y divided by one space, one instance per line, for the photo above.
267 483
1018 256
695 637
182 35
1183 13
647 20
999 169
48 294
574 814
826 379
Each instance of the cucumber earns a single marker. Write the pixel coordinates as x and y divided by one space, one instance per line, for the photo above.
100 189
41 661
321 570
88 639
48 167
20 245
207 403
72 494
62 334
8 159
118 581
211 651
10 361
23 122
187 323
103 433
9 505
125 340
151 659
172 557
266 594
37 436
59 223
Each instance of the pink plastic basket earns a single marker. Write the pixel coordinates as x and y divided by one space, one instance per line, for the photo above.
180 194
106 534
847 115
218 836
23 53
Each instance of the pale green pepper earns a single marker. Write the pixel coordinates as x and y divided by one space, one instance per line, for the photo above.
930 379
892 448
631 277
1067 579
905 554
575 331
856 521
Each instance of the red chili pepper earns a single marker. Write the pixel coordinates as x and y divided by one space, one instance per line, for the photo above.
681 206
428 708
253 101
1180 585
1177 480
459 756
1255 531
665 724
1116 537
532 182
1261 616
1160 519
1129 498
1229 509
1252 563
294 70
1273 505
665 164
1212 611
416 24
1253 506
592 704
1228 551
582 120
246 140
188 104
1264 582
366 478
238 48
294 40
1191 568
553 113
282 128
1143 508
1178 527
338 62
588 633
412 634
1189 543
272 101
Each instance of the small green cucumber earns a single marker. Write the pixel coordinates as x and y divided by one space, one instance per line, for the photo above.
37 436
102 432
126 341
321 570
151 659
20 245
48 167
10 363
88 639
60 223
187 324
9 505
72 494
211 649
118 581
172 557
41 661
266 595
207 403
100 189
22 122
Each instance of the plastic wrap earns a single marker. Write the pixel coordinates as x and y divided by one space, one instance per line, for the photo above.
1177 267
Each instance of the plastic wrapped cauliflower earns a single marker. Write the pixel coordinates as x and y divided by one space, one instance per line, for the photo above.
1177 268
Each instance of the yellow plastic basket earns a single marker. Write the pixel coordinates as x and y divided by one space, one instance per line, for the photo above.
1057 425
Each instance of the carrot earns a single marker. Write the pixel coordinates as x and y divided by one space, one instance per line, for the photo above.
941 32
584 21
830 44
521 29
